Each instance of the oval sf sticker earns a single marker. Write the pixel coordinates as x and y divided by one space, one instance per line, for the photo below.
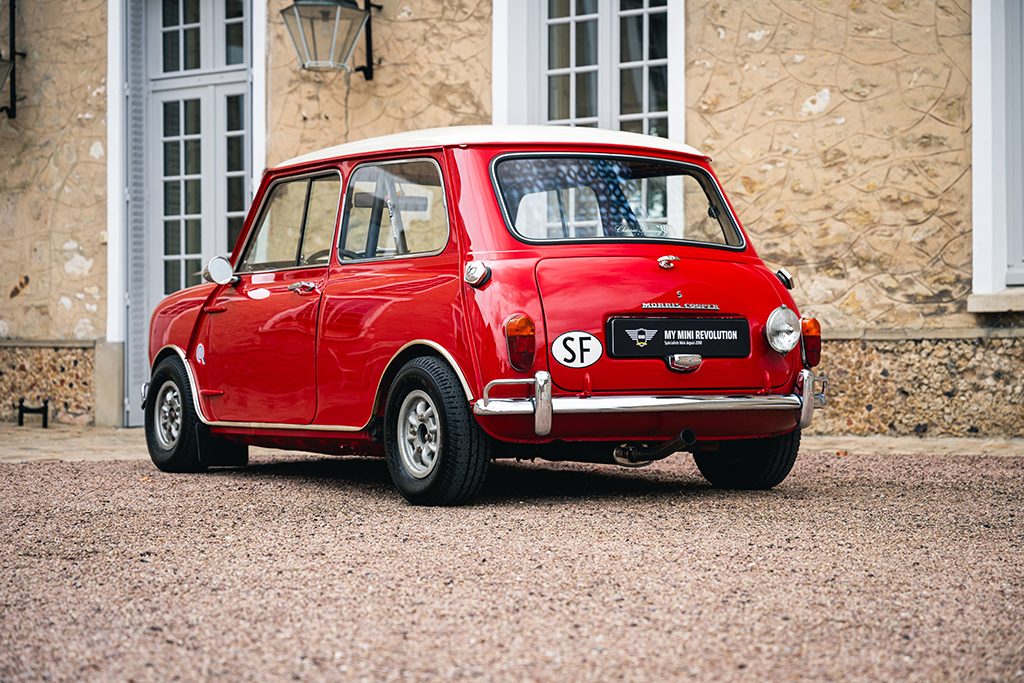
577 349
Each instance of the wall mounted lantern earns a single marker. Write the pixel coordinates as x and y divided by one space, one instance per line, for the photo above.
7 67
324 33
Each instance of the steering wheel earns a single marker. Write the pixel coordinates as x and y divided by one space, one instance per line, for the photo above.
317 255
345 253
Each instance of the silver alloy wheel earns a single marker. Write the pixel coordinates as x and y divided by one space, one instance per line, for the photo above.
419 434
168 415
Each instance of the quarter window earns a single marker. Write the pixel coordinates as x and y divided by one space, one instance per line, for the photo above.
296 227
395 209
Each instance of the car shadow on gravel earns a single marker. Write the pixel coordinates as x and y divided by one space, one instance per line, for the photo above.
507 481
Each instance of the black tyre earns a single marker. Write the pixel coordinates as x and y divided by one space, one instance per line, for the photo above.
750 463
171 419
436 452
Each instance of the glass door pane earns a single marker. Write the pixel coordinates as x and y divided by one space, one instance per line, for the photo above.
181 192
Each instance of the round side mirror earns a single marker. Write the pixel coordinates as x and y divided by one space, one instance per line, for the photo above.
219 270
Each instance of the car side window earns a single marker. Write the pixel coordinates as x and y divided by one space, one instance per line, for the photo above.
395 209
297 226
321 216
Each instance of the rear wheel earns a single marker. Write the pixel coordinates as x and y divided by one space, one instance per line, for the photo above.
436 452
750 463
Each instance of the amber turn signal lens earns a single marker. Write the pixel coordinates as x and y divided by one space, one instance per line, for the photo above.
521 334
811 332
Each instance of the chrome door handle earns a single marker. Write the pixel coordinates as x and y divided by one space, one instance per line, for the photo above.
302 287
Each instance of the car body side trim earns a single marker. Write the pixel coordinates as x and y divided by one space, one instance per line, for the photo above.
194 385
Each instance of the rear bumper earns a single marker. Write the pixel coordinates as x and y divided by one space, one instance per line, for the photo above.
543 406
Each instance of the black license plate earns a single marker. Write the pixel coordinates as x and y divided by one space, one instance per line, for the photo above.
652 337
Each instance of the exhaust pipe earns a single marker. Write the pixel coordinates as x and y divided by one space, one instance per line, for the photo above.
628 455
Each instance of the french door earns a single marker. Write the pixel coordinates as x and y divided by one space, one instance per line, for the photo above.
198 180
189 152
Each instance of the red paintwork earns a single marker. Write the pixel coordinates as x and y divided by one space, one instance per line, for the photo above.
321 359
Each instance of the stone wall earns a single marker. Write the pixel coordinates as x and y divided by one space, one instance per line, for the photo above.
841 130
63 374
53 175
433 69
933 387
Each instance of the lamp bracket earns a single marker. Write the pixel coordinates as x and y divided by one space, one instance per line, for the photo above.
367 70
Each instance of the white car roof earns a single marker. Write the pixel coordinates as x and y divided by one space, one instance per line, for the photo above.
481 135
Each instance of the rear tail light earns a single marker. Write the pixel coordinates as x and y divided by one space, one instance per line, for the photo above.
521 334
811 331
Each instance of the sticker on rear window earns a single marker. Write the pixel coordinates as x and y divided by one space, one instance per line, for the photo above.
577 349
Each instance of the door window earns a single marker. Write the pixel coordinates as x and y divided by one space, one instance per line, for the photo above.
395 209
296 227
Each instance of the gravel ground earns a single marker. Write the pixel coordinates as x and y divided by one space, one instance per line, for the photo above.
895 567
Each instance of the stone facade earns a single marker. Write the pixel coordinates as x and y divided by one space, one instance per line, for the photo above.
63 374
933 387
53 208
841 129
433 69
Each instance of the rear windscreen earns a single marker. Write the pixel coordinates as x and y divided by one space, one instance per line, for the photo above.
558 198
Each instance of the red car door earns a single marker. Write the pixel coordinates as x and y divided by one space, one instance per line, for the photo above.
260 352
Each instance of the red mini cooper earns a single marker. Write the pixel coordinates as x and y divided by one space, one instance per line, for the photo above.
447 297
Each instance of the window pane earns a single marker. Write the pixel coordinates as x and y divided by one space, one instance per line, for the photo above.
558 97
170 12
191 48
625 5
172 198
558 46
631 38
235 224
558 8
193 157
234 9
191 11
658 127
170 51
192 117
236 119
657 47
586 94
657 3
234 44
415 221
235 158
172 276
586 43
277 236
172 158
657 93
631 91
628 198
586 7
321 216
236 194
193 272
193 197
172 119
172 238
193 236
632 126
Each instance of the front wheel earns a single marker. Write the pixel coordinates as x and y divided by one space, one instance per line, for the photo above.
750 463
436 452
171 419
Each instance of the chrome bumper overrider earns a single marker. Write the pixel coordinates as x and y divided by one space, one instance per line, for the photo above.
542 406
